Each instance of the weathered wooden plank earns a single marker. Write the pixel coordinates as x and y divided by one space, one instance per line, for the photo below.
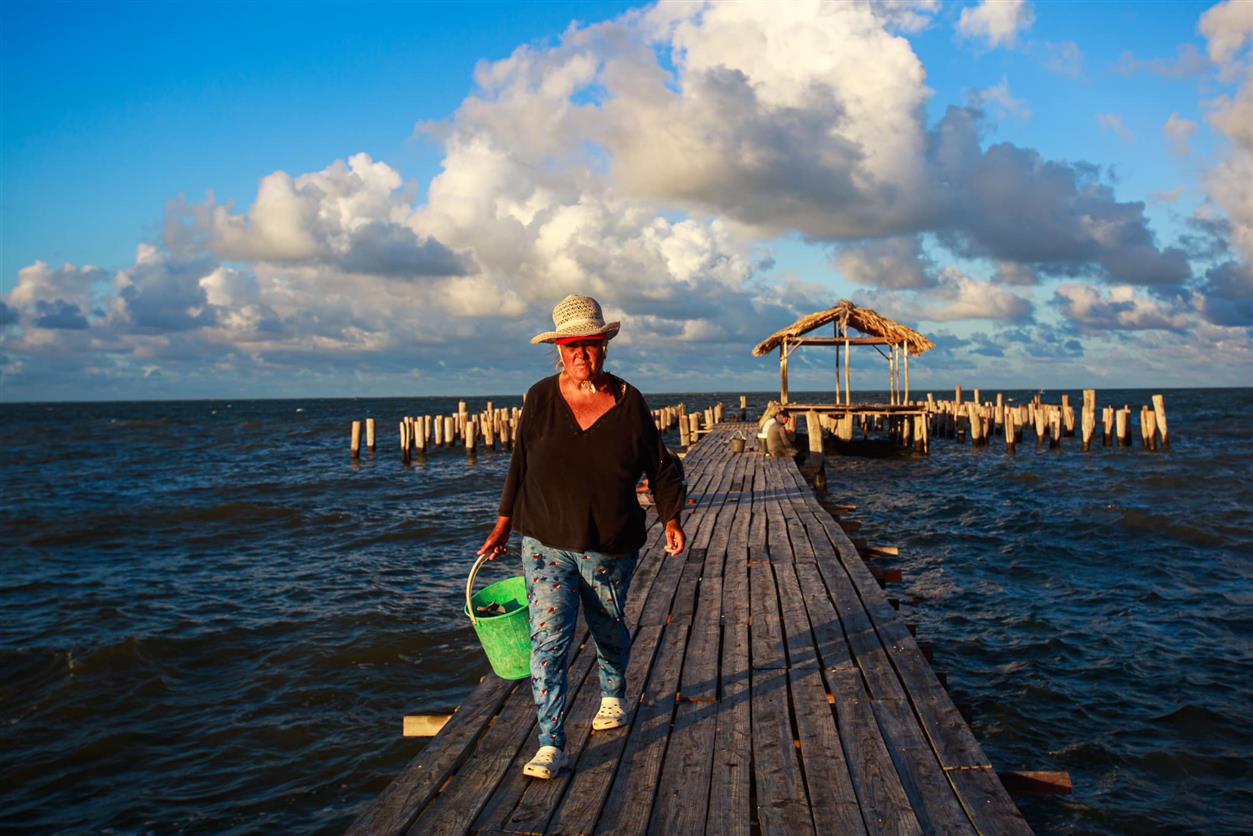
930 794
778 547
983 796
699 681
831 793
735 593
683 607
798 635
830 645
885 807
782 801
396 808
683 790
631 797
721 533
459 803
578 809
767 624
950 736
731 781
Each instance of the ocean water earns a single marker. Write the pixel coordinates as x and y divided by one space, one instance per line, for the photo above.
214 621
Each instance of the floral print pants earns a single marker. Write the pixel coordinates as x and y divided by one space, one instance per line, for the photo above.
556 582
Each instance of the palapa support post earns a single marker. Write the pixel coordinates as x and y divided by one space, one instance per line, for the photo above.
1159 413
369 434
814 427
356 440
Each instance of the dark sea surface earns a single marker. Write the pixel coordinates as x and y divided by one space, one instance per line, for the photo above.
214 621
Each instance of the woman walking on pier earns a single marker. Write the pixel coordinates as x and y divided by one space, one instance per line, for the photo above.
586 438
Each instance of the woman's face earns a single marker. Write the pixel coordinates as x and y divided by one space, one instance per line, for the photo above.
584 359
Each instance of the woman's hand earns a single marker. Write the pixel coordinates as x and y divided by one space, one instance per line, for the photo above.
494 545
676 540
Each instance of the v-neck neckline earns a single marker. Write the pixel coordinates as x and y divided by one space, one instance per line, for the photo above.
574 419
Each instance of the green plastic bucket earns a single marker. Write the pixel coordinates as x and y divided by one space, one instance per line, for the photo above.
506 638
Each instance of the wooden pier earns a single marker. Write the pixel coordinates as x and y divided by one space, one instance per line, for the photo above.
775 689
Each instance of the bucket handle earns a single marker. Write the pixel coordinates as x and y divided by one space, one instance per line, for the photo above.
474 570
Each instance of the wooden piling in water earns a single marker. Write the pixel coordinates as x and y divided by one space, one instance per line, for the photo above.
369 434
468 435
1121 429
1159 414
1148 428
356 439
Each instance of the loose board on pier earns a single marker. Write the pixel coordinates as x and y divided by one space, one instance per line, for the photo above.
773 685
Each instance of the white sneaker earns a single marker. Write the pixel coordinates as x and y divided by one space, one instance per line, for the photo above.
547 762
612 714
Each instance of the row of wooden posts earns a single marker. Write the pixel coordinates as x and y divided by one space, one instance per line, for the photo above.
497 428
1049 422
983 420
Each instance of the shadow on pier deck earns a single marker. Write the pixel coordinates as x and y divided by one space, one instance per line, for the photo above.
776 690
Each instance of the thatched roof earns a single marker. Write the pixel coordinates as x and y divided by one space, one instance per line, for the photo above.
848 314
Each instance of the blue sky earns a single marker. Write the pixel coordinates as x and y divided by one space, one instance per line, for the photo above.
375 199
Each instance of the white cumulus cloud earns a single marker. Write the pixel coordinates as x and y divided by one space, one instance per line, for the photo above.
997 22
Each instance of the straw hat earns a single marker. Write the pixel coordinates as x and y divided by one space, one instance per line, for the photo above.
578 316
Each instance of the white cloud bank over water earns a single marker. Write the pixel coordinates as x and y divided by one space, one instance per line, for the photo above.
655 161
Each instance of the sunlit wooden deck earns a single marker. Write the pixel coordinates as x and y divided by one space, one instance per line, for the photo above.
777 691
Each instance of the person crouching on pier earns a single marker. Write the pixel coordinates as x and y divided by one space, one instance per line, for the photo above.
586 438
779 435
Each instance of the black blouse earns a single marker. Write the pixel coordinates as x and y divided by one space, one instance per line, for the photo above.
575 489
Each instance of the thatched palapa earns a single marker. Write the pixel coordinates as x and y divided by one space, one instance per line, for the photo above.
847 314
900 341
